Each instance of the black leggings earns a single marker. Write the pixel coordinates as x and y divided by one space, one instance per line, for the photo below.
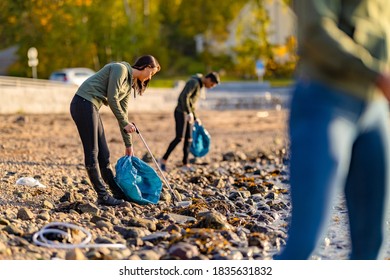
89 124
180 124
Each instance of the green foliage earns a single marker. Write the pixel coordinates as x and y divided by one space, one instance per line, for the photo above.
279 70
91 33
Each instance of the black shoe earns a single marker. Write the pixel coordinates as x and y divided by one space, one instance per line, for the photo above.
100 188
108 177
109 200
162 165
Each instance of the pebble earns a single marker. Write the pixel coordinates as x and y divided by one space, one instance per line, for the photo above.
226 211
184 251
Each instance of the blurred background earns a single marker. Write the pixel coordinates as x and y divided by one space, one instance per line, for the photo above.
237 38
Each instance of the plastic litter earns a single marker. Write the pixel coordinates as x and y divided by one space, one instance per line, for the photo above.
29 182
183 203
139 182
62 230
200 141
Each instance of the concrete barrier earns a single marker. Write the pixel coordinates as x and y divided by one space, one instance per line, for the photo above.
40 97
21 95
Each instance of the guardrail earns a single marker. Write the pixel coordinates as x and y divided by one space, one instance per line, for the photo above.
7 81
38 96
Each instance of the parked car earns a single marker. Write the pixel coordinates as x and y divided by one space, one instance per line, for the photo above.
74 76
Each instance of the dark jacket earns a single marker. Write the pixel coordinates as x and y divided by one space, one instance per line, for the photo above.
190 95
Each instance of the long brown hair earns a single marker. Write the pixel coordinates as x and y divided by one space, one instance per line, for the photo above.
140 64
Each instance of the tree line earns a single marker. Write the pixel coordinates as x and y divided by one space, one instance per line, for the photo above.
91 33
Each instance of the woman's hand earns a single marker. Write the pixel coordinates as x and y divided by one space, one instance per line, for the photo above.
190 118
129 151
130 128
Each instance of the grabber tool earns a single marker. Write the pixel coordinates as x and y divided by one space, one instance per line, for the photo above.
159 168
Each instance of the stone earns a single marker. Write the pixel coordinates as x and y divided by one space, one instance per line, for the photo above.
25 214
183 251
89 208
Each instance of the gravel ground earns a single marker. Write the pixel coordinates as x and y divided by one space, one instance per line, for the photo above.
239 192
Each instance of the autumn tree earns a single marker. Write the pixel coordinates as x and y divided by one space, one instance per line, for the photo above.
91 33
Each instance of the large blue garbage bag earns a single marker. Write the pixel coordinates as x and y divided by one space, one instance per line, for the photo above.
138 180
200 141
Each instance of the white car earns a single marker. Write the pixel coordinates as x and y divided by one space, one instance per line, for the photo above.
74 76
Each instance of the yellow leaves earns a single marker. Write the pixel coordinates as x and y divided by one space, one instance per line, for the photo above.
44 21
43 13
291 42
69 19
280 51
12 19
83 2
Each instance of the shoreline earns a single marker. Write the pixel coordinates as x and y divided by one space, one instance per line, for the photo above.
239 191
47 147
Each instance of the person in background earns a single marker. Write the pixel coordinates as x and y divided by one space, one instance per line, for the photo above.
111 86
185 114
339 124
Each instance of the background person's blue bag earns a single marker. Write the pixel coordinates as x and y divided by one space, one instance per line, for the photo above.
200 141
139 182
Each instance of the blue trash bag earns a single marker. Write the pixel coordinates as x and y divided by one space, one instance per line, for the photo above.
200 141
139 182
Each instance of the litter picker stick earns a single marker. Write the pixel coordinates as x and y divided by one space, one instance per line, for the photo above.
155 161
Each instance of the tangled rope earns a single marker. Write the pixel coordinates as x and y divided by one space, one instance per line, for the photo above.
39 238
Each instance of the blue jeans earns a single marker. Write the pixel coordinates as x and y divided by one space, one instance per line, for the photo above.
338 143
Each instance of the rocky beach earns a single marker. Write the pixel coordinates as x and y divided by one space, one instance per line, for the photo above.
239 192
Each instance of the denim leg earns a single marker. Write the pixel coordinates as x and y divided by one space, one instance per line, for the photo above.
367 185
322 130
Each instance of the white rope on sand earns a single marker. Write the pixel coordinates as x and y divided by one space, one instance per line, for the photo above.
40 239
